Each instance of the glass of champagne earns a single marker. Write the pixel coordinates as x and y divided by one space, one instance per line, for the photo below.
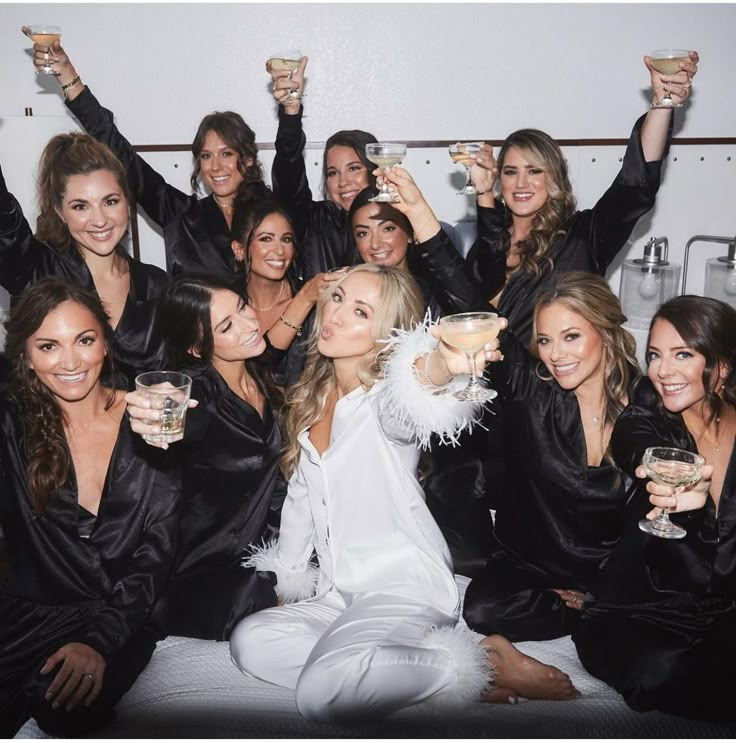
287 61
675 467
667 62
469 332
460 153
45 36
385 154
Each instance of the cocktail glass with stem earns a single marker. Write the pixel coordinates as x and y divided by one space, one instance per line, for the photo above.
385 154
469 332
669 466
461 153
45 36
667 62
287 61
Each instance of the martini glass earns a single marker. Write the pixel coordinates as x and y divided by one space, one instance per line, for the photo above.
287 61
45 36
385 154
460 153
667 62
469 332
675 467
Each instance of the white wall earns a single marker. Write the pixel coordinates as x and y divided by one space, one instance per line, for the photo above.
403 71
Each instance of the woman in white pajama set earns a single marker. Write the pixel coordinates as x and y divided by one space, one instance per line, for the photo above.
378 632
374 626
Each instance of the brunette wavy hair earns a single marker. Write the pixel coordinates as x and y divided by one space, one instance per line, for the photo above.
248 214
551 219
401 306
44 441
231 128
707 326
590 296
66 155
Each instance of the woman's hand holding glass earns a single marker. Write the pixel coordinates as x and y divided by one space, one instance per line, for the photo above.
453 362
145 416
409 201
285 82
56 56
677 85
676 500
484 174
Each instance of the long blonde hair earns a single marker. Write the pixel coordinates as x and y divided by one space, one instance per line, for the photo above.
400 306
588 295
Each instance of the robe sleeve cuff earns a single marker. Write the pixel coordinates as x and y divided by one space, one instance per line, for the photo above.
292 584
419 407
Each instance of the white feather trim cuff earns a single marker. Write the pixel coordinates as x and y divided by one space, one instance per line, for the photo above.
291 585
413 405
474 672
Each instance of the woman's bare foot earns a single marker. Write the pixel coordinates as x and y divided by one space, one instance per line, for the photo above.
519 674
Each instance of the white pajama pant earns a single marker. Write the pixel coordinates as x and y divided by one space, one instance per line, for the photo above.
365 660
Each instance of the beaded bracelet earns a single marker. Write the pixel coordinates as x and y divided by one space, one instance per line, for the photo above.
426 373
298 328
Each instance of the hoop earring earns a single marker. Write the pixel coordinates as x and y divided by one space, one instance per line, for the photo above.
538 371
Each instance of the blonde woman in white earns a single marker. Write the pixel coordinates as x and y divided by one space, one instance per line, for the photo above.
372 627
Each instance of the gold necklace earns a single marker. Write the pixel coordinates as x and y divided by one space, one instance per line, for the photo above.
716 443
220 204
266 309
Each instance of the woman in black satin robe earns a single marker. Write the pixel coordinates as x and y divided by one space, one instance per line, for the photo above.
322 226
83 219
196 231
561 503
538 232
232 489
90 518
264 247
660 625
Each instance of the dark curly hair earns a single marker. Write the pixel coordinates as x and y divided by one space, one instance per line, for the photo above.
44 440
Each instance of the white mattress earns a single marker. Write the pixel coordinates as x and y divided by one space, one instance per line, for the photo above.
191 689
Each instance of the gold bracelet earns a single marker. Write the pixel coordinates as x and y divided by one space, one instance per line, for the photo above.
71 84
298 328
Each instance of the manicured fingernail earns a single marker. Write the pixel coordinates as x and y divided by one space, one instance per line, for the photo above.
512 700
488 347
48 696
55 705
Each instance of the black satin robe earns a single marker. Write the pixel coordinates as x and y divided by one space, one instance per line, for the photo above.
232 496
660 625
23 260
322 229
63 588
196 235
592 238
556 518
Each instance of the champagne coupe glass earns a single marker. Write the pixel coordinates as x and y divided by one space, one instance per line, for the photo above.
385 154
460 153
675 467
45 36
469 332
667 62
287 61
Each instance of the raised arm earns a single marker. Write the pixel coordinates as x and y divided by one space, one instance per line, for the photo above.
288 172
437 257
161 201
20 252
634 190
